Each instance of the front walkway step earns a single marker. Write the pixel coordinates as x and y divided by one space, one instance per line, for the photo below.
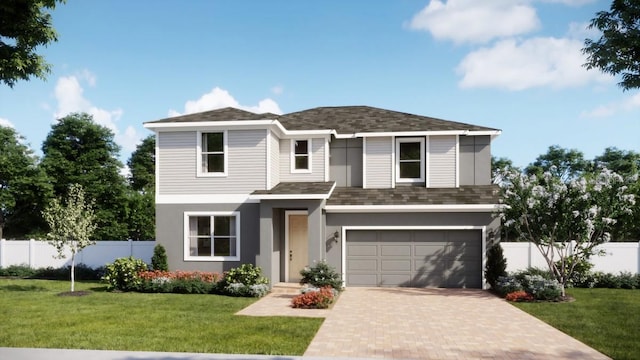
286 288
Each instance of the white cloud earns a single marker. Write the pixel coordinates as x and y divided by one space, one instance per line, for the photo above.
219 98
70 98
630 103
6 123
518 65
570 2
473 21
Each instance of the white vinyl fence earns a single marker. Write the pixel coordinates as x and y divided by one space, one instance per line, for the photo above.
619 256
39 254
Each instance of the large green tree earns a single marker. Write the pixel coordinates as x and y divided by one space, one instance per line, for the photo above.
24 25
79 151
560 162
24 188
617 51
142 165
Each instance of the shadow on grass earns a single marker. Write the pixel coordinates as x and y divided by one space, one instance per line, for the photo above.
99 289
22 288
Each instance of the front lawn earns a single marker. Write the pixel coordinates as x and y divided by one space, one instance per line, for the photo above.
608 320
34 315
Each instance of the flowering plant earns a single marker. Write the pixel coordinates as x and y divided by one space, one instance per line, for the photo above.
520 295
314 299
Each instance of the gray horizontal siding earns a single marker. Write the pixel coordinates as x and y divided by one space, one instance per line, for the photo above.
275 160
317 162
177 163
442 161
379 162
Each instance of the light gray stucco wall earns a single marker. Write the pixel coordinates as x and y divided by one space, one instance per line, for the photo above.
335 222
170 234
475 160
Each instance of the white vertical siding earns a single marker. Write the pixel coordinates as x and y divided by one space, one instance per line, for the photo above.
275 160
317 162
379 162
442 161
178 161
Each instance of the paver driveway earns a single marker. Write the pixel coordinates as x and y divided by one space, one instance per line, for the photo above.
438 324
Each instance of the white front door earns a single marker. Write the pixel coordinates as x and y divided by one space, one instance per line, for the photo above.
297 241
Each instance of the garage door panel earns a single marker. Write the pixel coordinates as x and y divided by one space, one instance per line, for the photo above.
402 249
395 280
362 250
417 258
362 279
368 265
396 265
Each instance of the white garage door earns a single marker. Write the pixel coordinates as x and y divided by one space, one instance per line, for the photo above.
414 258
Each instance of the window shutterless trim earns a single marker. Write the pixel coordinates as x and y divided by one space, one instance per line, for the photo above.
293 156
398 177
211 214
199 153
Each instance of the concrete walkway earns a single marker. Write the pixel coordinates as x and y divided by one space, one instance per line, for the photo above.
404 323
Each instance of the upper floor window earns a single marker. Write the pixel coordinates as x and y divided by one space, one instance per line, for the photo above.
213 153
410 160
301 155
212 236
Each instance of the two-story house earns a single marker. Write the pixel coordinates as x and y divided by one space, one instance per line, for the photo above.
387 198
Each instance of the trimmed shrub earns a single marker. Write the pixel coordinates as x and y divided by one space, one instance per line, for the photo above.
507 284
159 259
123 274
496 265
21 271
184 282
245 280
541 288
320 299
321 275
580 275
519 296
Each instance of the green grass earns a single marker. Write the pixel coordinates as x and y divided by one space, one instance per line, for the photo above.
608 320
34 315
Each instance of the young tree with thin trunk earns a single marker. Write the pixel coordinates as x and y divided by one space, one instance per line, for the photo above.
72 223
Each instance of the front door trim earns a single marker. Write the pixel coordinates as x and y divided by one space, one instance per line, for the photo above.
287 213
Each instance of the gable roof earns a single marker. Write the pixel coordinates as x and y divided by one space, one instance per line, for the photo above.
341 119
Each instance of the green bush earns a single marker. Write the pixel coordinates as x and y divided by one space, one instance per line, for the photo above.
496 265
244 280
159 258
21 271
580 275
123 274
507 284
541 288
321 275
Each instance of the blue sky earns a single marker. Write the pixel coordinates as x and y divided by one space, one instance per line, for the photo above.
508 64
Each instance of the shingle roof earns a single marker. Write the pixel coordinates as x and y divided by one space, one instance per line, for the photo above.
298 188
353 119
415 195
342 119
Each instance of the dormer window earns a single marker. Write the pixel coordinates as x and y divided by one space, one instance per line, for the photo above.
410 160
301 156
212 157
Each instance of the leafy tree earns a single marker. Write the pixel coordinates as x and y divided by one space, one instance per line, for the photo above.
551 213
79 151
497 167
562 163
71 224
142 165
24 189
142 211
617 51
496 265
24 25
141 217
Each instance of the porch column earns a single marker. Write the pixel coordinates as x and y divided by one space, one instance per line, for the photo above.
264 259
316 233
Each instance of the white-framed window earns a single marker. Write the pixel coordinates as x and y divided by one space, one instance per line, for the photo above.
301 156
212 236
410 160
212 153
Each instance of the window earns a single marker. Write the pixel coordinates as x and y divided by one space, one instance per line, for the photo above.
410 160
301 156
212 236
213 154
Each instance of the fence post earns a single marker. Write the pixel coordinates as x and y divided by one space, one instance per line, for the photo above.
529 256
2 244
32 253
130 247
